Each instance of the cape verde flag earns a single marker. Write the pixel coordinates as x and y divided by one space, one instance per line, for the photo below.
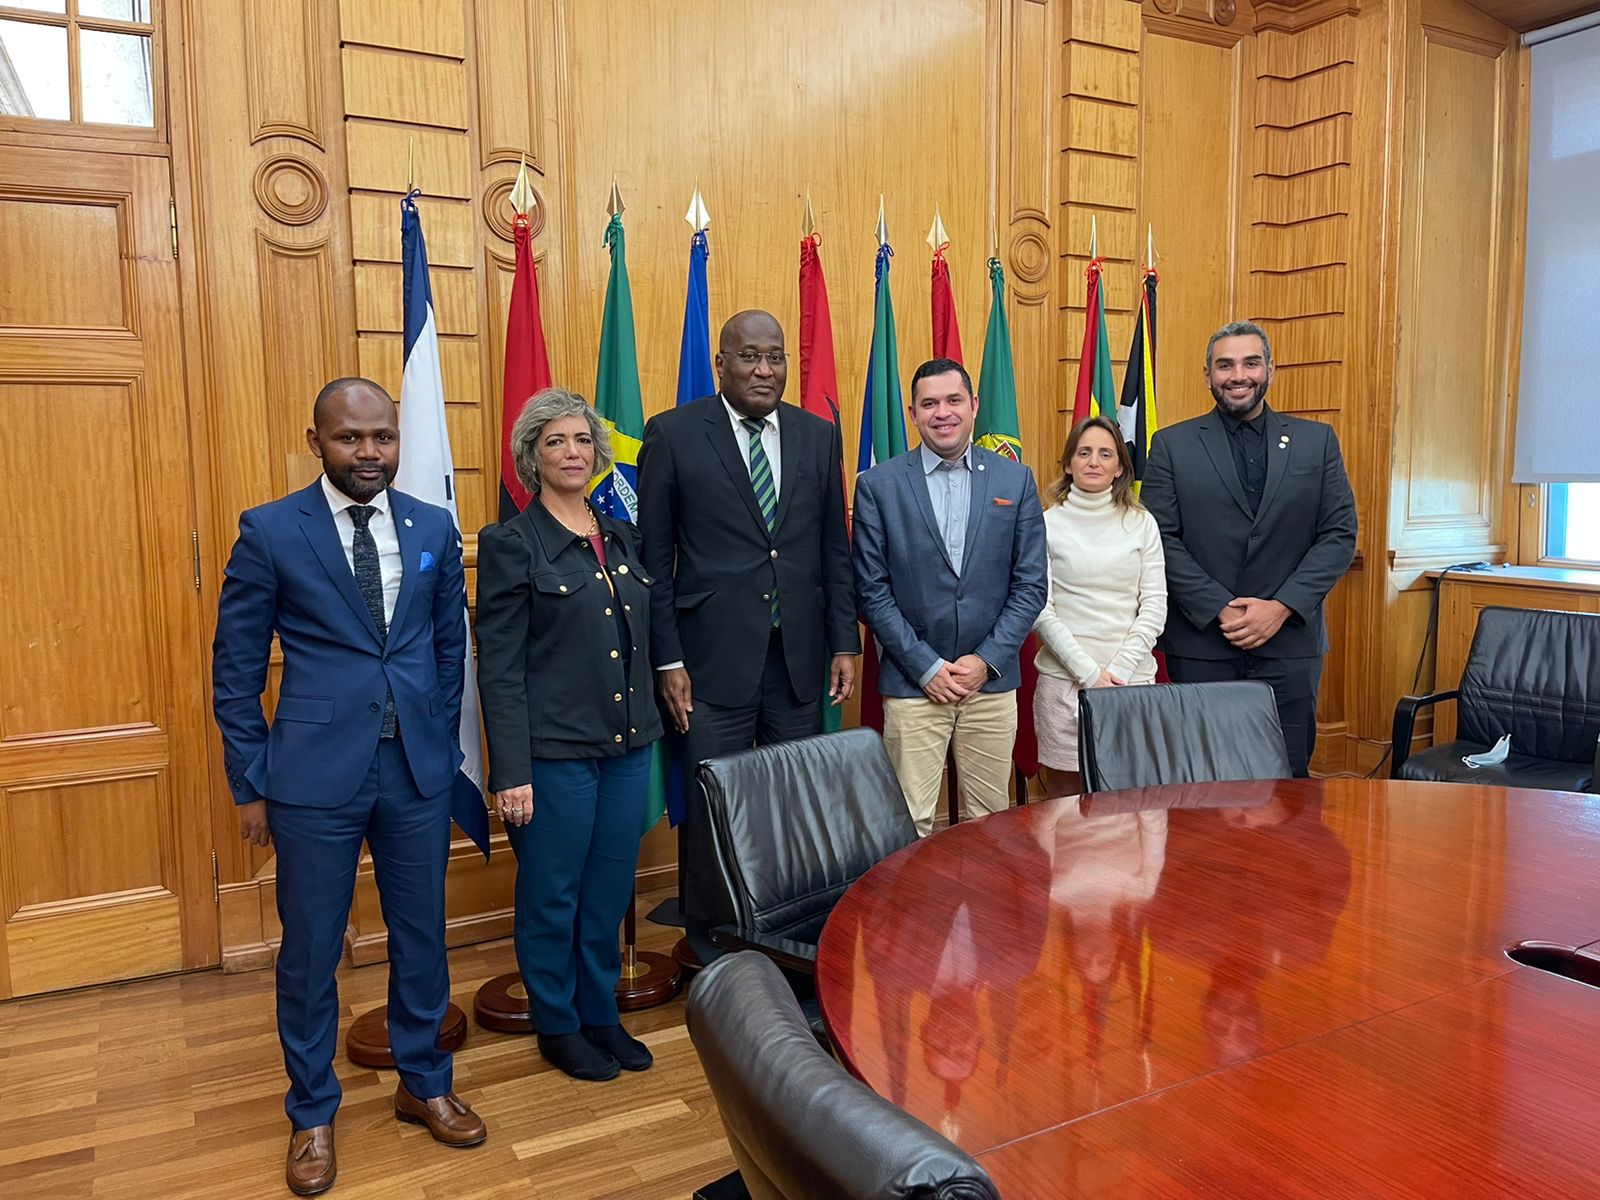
428 472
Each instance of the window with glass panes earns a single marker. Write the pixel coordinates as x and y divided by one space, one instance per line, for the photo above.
85 62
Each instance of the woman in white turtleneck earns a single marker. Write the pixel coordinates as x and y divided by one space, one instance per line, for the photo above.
1108 592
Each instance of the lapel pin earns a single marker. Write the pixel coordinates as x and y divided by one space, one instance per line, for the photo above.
1282 442
408 522
980 466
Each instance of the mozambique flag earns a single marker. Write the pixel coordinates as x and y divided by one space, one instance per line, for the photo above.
1138 409
819 385
883 419
1096 392
616 388
997 428
618 400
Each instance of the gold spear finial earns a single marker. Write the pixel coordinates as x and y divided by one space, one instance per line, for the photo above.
523 198
697 216
937 238
1094 235
615 207
808 223
883 225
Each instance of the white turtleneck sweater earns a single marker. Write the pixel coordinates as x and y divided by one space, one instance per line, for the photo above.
1107 590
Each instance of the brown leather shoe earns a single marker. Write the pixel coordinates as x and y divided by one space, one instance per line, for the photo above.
311 1167
447 1117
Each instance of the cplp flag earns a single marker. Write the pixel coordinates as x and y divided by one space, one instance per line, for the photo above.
1138 409
819 383
997 426
1096 391
527 364
428 472
616 388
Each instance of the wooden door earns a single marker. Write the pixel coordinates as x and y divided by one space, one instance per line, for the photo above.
105 847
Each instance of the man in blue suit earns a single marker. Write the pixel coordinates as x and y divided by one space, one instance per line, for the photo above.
950 573
364 587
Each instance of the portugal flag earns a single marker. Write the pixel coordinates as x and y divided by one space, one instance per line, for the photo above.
1096 392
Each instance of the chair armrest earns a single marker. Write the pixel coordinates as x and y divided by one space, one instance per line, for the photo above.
786 952
1405 722
1594 779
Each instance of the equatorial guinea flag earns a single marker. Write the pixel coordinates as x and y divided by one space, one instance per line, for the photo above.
428 472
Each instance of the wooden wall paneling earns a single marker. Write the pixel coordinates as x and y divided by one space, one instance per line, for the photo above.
510 120
1191 196
409 88
283 93
423 26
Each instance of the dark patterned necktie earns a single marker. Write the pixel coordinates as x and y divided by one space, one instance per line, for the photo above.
369 578
766 491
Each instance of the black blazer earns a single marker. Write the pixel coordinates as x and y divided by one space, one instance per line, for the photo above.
554 676
1295 548
704 542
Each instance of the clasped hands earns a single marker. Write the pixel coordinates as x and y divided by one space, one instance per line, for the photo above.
1248 622
957 681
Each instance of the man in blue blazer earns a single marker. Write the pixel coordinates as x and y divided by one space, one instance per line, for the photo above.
363 586
950 573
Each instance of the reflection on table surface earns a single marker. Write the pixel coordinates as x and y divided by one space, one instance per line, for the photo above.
1041 966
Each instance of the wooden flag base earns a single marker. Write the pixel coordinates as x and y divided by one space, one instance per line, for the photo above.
688 961
502 1005
647 979
367 1043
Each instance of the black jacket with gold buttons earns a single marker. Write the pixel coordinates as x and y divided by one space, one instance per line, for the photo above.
563 644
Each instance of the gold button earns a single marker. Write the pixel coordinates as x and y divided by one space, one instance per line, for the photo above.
627 608
623 569
613 654
608 612
618 697
774 554
563 587
617 738
597 575
632 730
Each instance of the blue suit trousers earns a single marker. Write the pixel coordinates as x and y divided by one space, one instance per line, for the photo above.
318 852
575 868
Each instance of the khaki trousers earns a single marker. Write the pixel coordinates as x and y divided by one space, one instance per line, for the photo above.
981 733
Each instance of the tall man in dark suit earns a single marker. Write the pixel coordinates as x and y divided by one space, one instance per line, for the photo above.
741 520
1258 523
364 587
950 574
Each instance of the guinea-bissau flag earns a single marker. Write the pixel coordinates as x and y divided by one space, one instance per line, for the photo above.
998 429
1137 413
527 365
1096 392
819 387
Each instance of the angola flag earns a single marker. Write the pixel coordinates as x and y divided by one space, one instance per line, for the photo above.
1096 391
527 365
1137 413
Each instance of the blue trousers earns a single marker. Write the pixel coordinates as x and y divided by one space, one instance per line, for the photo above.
575 868
318 851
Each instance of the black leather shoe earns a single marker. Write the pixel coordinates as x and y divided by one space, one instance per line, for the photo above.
575 1055
613 1040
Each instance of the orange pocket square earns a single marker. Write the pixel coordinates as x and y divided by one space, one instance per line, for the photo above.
1002 501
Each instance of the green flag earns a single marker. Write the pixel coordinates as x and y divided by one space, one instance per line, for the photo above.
997 428
618 400
883 421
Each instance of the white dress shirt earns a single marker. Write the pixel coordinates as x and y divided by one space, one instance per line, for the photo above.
383 533
770 442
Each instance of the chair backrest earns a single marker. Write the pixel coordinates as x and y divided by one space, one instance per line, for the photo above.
1536 676
799 1125
1159 733
794 824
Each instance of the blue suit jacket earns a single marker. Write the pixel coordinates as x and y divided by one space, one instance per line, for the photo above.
288 575
910 596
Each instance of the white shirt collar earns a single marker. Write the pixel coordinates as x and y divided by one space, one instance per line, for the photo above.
738 418
338 501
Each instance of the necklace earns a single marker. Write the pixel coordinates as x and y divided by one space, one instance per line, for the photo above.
590 530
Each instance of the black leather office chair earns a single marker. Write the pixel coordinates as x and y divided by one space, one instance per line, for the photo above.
1532 674
1159 733
791 826
800 1127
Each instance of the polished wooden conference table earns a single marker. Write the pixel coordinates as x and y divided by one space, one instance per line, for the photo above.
1280 989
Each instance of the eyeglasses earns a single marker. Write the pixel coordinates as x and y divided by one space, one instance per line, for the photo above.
750 358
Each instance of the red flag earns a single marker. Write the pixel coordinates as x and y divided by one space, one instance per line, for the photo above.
527 366
1095 388
946 334
819 377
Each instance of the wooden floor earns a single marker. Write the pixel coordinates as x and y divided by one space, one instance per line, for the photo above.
174 1088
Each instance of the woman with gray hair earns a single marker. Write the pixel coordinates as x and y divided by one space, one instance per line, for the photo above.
569 707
